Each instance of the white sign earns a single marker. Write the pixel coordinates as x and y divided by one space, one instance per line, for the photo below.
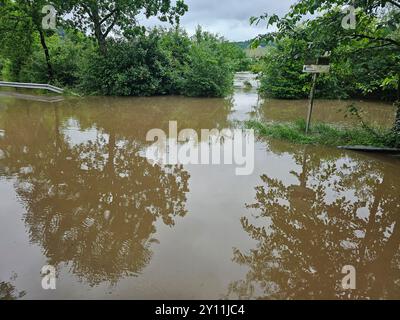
316 68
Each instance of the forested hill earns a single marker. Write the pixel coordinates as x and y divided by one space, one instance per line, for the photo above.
243 44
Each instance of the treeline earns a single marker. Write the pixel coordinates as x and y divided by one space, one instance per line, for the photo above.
158 62
134 62
365 60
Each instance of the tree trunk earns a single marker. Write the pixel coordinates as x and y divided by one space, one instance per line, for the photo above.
396 128
50 72
102 45
98 33
100 39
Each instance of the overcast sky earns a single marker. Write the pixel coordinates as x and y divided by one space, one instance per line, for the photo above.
229 18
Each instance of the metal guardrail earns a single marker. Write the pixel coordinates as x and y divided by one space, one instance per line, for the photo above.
31 86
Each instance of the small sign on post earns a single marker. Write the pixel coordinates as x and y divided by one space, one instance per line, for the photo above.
315 68
322 66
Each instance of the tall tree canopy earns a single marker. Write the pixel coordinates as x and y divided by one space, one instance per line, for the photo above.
20 21
377 27
120 16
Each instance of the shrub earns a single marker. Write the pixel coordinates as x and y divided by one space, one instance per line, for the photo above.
237 56
281 72
134 68
66 52
354 72
209 72
161 62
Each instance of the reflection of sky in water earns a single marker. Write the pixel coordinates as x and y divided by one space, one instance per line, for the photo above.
244 99
193 259
76 136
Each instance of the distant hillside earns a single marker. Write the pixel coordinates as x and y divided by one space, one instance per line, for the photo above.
256 53
243 44
252 53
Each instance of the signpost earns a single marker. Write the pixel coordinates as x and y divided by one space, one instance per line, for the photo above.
316 68
311 103
322 66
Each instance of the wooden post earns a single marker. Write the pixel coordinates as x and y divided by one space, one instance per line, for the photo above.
311 105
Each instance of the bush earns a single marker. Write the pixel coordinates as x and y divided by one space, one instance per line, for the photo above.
65 54
360 72
176 46
209 73
282 75
237 55
130 68
162 62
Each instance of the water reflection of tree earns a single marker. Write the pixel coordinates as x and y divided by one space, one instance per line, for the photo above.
8 291
93 205
340 213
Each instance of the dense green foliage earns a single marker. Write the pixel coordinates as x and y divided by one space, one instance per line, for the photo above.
281 70
20 24
101 18
238 55
157 62
136 67
80 54
243 44
209 56
365 61
66 53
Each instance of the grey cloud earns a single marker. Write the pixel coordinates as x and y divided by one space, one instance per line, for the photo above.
229 18
234 9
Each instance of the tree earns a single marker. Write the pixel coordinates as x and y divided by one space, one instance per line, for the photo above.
159 63
240 61
21 20
16 36
377 27
9 292
209 72
105 16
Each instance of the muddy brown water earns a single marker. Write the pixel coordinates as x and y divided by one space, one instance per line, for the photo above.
77 193
374 113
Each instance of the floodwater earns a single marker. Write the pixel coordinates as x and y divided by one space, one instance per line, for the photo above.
376 114
77 193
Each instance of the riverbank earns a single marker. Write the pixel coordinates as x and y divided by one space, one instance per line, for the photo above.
324 134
